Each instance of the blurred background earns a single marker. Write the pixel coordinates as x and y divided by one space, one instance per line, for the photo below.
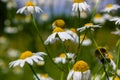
17 34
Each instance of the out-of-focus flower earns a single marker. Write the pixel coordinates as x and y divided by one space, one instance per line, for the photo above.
86 41
73 33
43 77
44 17
27 57
4 43
105 57
58 33
88 26
11 4
116 19
40 63
58 23
80 71
13 53
110 7
11 30
64 57
29 8
80 5
117 32
98 19
17 70
107 16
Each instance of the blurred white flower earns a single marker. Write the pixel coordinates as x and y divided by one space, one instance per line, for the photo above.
29 8
116 19
90 26
11 30
13 53
80 5
43 77
11 4
18 70
40 63
110 7
27 57
57 34
44 17
107 16
80 71
86 41
117 32
63 57
99 19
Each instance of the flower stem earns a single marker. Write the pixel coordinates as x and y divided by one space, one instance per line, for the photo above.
62 76
105 71
118 56
33 71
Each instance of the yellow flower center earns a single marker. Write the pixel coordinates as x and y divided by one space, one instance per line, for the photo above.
80 66
83 37
78 1
58 29
59 23
109 6
30 3
73 30
26 54
88 25
117 78
110 56
62 55
98 16
44 75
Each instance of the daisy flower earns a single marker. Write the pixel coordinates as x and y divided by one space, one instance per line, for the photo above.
110 7
64 57
105 57
58 23
58 33
29 8
27 57
43 77
117 32
86 41
73 33
98 19
80 5
80 71
88 26
116 19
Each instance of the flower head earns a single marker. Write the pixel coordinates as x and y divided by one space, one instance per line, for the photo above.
80 5
88 26
27 57
59 33
58 23
110 7
98 18
80 71
29 8
116 19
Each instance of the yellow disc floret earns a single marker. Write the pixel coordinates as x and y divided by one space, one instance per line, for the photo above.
73 30
26 54
110 56
44 75
83 37
30 3
81 66
59 23
88 25
98 16
78 1
58 29
117 78
109 6
62 55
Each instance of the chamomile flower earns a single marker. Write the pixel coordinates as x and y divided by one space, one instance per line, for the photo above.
117 32
98 19
105 57
57 34
110 7
27 57
73 33
86 41
88 26
29 8
64 57
58 23
43 77
80 71
80 5
116 19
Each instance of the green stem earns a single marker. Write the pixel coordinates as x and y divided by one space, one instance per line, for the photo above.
44 44
118 56
33 71
105 71
62 76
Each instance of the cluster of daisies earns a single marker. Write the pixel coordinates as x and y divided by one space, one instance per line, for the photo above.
80 69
